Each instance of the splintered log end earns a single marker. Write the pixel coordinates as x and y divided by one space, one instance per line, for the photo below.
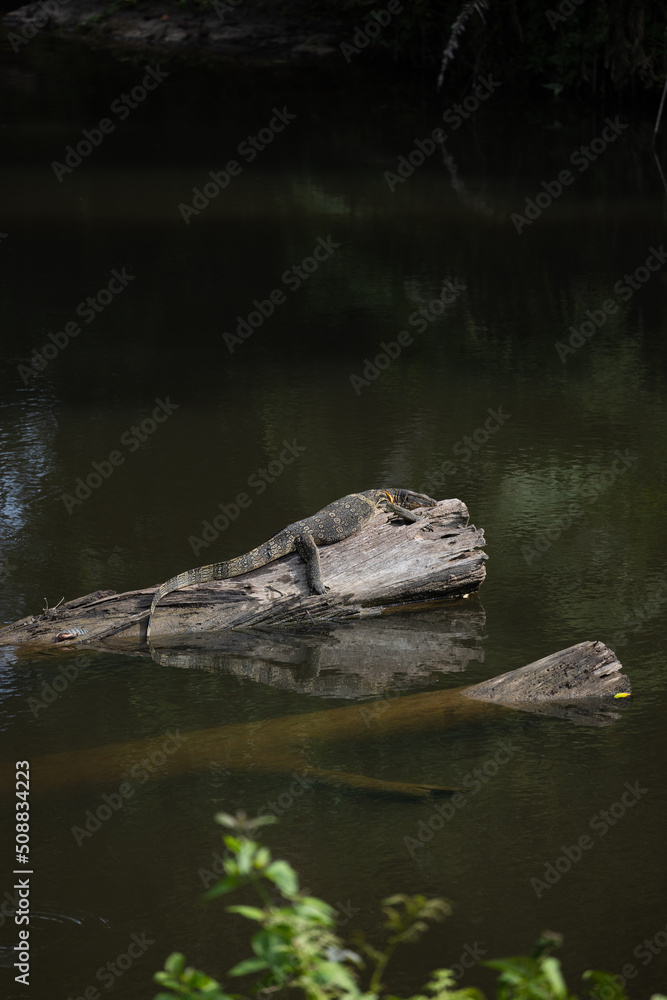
588 670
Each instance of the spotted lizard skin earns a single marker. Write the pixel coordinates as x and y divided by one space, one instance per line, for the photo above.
334 522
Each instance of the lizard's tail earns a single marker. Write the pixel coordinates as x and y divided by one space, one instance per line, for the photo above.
263 554
204 574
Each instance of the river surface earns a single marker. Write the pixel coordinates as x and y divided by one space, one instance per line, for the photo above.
303 328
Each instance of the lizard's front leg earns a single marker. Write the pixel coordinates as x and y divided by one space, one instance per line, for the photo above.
409 515
307 549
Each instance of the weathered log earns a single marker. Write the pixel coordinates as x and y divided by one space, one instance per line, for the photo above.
587 670
552 685
388 563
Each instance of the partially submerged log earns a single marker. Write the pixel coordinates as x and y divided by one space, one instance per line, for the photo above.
587 673
587 670
388 563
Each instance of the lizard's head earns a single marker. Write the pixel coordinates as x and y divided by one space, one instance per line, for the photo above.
409 500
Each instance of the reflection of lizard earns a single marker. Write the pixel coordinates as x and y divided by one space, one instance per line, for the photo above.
331 524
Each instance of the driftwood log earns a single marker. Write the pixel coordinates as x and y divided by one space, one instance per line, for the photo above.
581 683
388 563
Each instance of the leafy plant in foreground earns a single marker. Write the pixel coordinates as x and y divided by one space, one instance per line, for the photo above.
296 946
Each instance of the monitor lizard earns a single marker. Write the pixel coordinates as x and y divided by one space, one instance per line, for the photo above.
334 522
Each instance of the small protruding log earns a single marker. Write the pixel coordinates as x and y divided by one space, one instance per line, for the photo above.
587 670
285 745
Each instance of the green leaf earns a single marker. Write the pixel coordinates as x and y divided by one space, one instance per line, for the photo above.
371 951
514 968
317 904
254 824
220 888
553 975
441 980
334 974
604 981
175 963
245 856
310 908
249 965
251 912
225 819
284 876
262 857
269 946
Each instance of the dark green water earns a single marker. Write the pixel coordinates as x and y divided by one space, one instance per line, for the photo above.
563 467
